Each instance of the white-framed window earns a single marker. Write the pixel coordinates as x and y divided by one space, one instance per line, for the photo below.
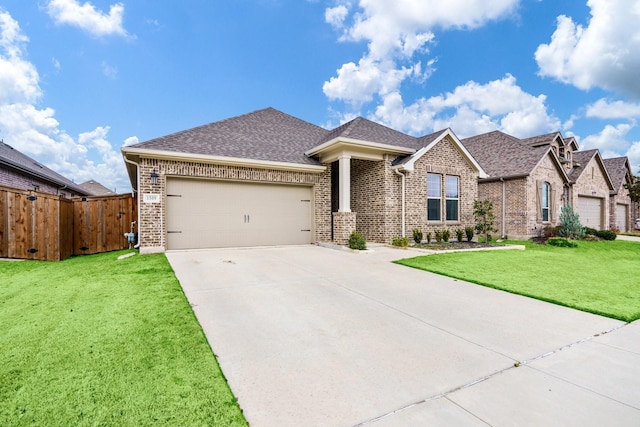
434 197
545 191
452 197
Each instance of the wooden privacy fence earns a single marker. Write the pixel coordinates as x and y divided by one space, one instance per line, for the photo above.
42 226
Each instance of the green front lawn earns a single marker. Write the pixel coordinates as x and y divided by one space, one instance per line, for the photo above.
598 277
94 340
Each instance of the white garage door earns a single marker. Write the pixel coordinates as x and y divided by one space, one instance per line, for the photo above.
212 214
590 211
622 213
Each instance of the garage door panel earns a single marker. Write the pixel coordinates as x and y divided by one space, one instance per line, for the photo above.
204 214
591 212
622 215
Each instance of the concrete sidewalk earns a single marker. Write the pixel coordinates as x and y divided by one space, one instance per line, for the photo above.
313 336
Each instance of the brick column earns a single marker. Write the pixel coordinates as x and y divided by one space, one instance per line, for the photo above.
343 224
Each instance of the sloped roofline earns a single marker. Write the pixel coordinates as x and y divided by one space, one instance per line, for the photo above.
409 164
599 160
556 162
62 183
134 154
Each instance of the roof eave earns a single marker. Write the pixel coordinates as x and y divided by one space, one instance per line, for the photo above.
357 144
131 153
503 178
61 185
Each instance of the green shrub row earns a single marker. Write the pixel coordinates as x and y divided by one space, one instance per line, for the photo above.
444 235
561 242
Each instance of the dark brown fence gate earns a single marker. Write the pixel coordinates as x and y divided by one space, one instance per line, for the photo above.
42 226
35 225
100 223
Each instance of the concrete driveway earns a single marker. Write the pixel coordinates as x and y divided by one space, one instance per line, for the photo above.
311 336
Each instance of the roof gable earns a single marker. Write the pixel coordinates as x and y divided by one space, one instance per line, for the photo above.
366 130
581 159
16 160
430 141
619 171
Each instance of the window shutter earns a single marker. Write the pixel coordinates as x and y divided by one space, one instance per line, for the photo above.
538 201
553 205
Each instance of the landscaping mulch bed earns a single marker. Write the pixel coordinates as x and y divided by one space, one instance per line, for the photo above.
455 245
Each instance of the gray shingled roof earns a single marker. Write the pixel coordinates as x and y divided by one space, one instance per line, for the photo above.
96 189
618 169
366 130
503 155
266 134
539 140
580 160
16 160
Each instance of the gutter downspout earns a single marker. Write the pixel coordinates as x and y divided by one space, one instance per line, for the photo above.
136 190
403 201
504 209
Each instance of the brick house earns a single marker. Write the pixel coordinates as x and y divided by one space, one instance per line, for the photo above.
527 184
622 211
267 178
531 179
18 170
590 189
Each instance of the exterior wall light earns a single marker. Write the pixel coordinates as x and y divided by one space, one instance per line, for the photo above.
154 177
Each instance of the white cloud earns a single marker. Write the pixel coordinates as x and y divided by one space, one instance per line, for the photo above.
335 16
87 17
633 153
395 31
604 109
357 83
602 54
130 141
612 140
56 65
109 71
470 109
36 132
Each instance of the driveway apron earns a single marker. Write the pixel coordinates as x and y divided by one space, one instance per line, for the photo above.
312 336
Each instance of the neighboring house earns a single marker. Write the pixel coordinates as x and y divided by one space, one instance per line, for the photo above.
97 189
268 178
590 189
622 210
531 179
18 170
527 184
590 183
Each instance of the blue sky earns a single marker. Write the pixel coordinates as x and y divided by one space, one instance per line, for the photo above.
78 80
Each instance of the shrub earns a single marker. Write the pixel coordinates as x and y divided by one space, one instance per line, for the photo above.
459 234
570 226
429 237
417 235
591 231
484 217
356 241
561 242
606 234
438 236
446 234
469 231
403 242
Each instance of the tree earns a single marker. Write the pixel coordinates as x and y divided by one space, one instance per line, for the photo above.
570 223
634 189
483 214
